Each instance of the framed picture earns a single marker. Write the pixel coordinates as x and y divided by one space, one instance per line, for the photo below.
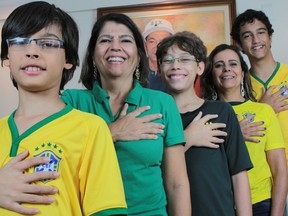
211 20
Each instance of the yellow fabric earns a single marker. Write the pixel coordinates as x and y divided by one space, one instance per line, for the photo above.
90 180
260 176
279 78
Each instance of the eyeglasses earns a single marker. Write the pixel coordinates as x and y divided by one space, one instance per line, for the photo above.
168 60
45 44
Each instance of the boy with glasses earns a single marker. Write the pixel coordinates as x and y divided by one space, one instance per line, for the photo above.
217 175
74 150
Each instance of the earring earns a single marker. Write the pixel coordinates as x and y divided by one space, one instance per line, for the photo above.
242 90
95 72
214 95
137 73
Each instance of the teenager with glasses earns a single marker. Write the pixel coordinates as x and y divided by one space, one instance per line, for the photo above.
76 168
218 176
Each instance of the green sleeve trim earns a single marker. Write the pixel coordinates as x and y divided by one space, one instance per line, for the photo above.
110 212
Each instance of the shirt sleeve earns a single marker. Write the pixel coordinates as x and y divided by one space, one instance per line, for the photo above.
101 186
237 153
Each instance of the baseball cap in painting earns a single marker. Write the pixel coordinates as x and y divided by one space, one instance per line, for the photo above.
157 25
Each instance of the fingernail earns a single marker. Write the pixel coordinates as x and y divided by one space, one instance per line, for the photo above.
51 199
45 159
264 128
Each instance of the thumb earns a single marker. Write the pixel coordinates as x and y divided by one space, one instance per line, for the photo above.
198 116
124 111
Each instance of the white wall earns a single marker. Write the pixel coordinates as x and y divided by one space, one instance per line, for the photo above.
84 13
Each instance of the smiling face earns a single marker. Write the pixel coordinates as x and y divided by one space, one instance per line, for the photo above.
180 76
115 53
36 69
255 40
227 72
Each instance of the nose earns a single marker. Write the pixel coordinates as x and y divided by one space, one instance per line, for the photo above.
175 64
255 38
227 68
115 45
32 50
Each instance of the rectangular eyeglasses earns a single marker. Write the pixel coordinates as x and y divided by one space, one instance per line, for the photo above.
182 59
19 43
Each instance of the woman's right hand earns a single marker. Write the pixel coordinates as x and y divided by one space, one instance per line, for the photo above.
252 130
129 127
16 187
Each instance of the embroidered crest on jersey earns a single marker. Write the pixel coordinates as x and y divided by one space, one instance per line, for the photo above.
53 164
283 85
248 113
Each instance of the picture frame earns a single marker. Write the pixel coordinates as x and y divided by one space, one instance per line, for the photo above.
211 20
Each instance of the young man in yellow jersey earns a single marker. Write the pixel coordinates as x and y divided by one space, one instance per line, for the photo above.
252 32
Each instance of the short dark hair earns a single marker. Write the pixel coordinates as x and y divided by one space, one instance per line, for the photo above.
186 41
249 16
30 18
87 72
206 80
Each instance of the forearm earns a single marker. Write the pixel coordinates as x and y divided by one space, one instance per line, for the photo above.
242 194
179 203
279 194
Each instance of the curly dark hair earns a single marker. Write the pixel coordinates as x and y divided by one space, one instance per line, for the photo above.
248 17
206 80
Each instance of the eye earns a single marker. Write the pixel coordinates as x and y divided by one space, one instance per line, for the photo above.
261 32
218 65
104 40
126 40
19 42
48 43
234 64
151 41
185 59
167 60
246 36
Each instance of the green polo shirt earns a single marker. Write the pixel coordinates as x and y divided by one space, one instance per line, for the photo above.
140 161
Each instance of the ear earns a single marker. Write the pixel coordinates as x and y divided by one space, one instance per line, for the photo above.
239 47
68 66
200 68
6 63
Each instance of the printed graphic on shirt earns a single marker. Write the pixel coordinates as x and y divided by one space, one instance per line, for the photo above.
248 113
51 151
283 85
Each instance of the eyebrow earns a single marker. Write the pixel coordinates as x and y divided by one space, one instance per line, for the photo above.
47 34
121 36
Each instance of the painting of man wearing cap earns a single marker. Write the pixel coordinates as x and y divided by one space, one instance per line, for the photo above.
153 33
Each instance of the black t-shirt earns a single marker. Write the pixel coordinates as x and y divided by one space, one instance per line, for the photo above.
210 170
